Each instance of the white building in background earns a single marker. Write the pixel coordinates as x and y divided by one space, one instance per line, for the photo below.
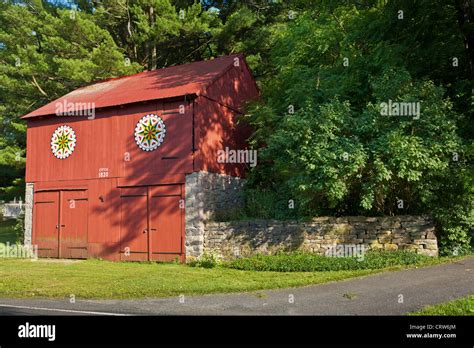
13 210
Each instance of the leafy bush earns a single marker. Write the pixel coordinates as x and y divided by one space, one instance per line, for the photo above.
456 241
308 262
206 260
452 204
262 204
270 205
19 229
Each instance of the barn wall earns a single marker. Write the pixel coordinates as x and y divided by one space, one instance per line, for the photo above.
219 121
105 159
41 165
175 153
217 130
106 146
235 87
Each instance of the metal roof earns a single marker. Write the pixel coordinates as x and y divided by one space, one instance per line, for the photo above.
175 81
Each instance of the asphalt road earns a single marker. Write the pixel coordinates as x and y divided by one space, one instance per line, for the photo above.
390 293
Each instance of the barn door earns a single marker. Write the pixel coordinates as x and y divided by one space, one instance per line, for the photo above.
46 223
73 225
151 223
60 224
134 224
166 221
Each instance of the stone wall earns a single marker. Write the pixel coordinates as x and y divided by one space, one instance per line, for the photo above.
243 238
28 212
208 196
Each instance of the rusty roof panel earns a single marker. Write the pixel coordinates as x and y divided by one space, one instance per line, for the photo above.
170 82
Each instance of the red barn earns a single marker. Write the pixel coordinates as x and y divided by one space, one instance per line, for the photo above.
128 168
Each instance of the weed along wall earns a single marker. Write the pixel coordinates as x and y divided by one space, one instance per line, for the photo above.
244 238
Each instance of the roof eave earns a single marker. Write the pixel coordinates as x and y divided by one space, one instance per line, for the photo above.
33 115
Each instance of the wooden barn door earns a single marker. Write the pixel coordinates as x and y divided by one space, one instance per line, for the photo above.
73 225
152 223
46 223
166 209
60 224
134 224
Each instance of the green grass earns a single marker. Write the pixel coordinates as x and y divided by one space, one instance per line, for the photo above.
103 279
7 234
462 306
121 280
308 262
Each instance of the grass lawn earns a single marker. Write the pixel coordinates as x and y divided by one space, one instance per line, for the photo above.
104 279
462 306
6 231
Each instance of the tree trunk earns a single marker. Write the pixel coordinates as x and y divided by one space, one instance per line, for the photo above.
464 9
151 43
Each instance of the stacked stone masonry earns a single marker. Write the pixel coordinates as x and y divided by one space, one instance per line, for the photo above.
29 194
209 196
244 238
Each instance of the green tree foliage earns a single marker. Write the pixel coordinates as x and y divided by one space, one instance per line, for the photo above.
45 52
160 33
338 153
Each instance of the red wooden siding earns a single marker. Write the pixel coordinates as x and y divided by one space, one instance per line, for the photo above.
234 88
218 118
77 219
106 147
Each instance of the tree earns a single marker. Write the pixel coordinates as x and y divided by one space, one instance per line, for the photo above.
159 33
45 52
